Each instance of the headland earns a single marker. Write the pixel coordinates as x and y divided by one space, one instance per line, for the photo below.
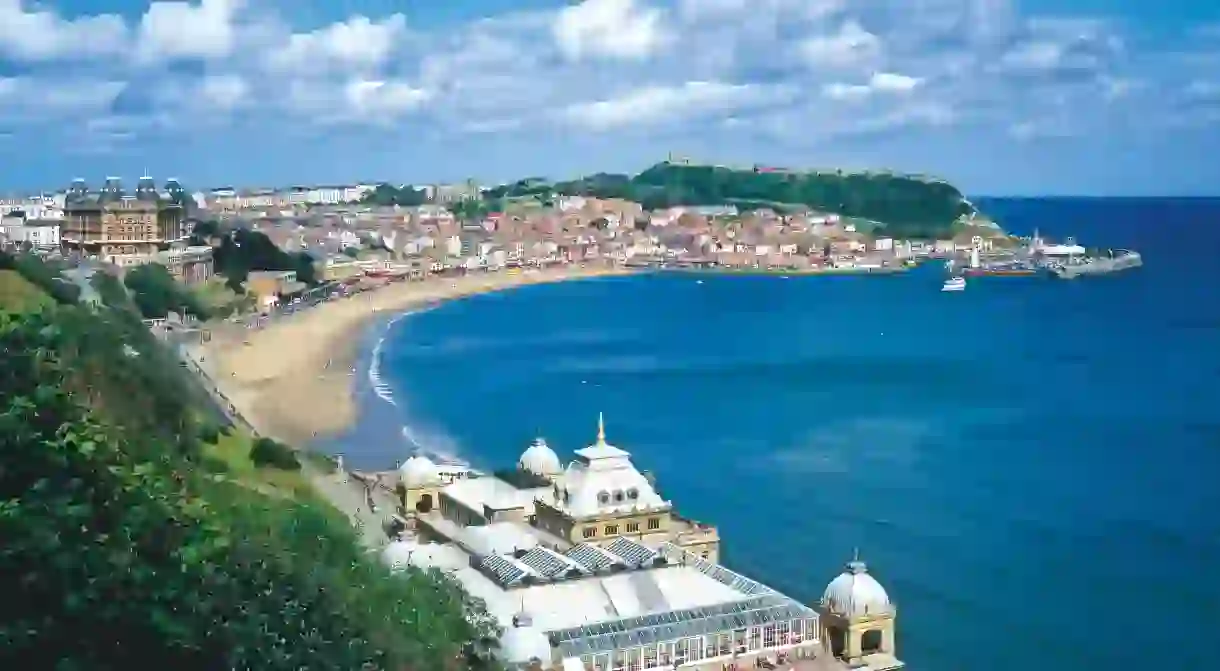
292 377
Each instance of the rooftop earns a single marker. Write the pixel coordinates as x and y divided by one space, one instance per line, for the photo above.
585 611
475 493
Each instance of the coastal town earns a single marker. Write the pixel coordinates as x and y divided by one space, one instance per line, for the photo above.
347 237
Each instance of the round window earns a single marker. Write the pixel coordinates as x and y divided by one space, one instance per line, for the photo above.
603 498
633 493
618 496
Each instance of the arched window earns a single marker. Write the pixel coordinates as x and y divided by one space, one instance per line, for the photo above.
618 496
603 497
633 493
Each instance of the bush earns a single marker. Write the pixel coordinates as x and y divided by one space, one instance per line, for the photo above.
209 433
269 453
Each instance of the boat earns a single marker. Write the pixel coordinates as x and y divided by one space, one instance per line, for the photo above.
956 283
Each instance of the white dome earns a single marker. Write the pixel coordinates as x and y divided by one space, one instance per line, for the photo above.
419 471
540 459
523 642
854 593
395 556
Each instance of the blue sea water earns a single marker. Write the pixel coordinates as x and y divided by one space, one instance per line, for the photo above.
1028 466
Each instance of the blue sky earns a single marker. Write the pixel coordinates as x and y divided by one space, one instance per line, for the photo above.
1098 97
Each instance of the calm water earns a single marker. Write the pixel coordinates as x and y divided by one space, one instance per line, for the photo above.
1029 466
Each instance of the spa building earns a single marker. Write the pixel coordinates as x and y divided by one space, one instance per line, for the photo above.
588 568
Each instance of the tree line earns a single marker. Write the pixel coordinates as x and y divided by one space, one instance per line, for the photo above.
907 206
126 547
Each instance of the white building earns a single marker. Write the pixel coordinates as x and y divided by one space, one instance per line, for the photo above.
634 601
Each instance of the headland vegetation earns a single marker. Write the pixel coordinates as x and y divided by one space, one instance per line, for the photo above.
893 204
142 530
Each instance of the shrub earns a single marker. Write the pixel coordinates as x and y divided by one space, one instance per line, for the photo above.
269 453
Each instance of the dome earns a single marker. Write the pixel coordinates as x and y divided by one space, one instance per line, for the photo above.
396 556
523 642
540 459
854 593
419 471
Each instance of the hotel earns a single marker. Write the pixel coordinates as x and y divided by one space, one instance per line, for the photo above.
588 568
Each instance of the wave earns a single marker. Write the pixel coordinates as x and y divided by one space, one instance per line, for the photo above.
383 390
420 440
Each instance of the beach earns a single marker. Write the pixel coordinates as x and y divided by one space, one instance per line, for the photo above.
294 379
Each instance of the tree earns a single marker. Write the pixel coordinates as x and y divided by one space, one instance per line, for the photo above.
156 293
125 552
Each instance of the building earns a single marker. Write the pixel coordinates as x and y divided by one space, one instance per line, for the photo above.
189 265
588 568
16 228
111 222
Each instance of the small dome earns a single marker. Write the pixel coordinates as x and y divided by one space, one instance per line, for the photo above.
854 593
523 642
540 459
396 556
419 471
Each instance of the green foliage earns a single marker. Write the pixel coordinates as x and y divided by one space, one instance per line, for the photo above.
156 293
42 275
470 209
121 551
242 251
908 206
386 195
266 452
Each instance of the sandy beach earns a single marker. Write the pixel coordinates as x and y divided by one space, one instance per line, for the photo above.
293 379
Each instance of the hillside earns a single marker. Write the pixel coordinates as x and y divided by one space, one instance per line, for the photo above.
906 205
137 533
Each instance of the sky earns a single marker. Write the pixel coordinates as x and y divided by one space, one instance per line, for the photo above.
1001 97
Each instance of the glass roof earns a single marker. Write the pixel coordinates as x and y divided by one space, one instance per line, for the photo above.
658 627
632 553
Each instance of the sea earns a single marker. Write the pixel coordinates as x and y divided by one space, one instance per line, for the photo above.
1029 467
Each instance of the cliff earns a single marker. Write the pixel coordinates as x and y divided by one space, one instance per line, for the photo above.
900 205
139 534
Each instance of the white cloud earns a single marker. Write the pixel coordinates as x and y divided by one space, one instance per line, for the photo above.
850 45
224 91
359 43
602 66
182 30
45 100
880 82
616 29
652 105
42 35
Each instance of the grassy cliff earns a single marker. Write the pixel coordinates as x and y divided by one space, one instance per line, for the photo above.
138 535
905 205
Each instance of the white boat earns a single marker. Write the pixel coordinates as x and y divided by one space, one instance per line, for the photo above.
954 284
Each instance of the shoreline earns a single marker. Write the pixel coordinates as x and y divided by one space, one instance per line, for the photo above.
295 379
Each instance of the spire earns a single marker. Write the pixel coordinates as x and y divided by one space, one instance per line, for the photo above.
855 566
601 429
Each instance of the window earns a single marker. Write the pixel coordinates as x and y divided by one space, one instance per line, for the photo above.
633 493
603 498
590 532
704 554
769 636
654 522
633 527
611 529
755 638
618 496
